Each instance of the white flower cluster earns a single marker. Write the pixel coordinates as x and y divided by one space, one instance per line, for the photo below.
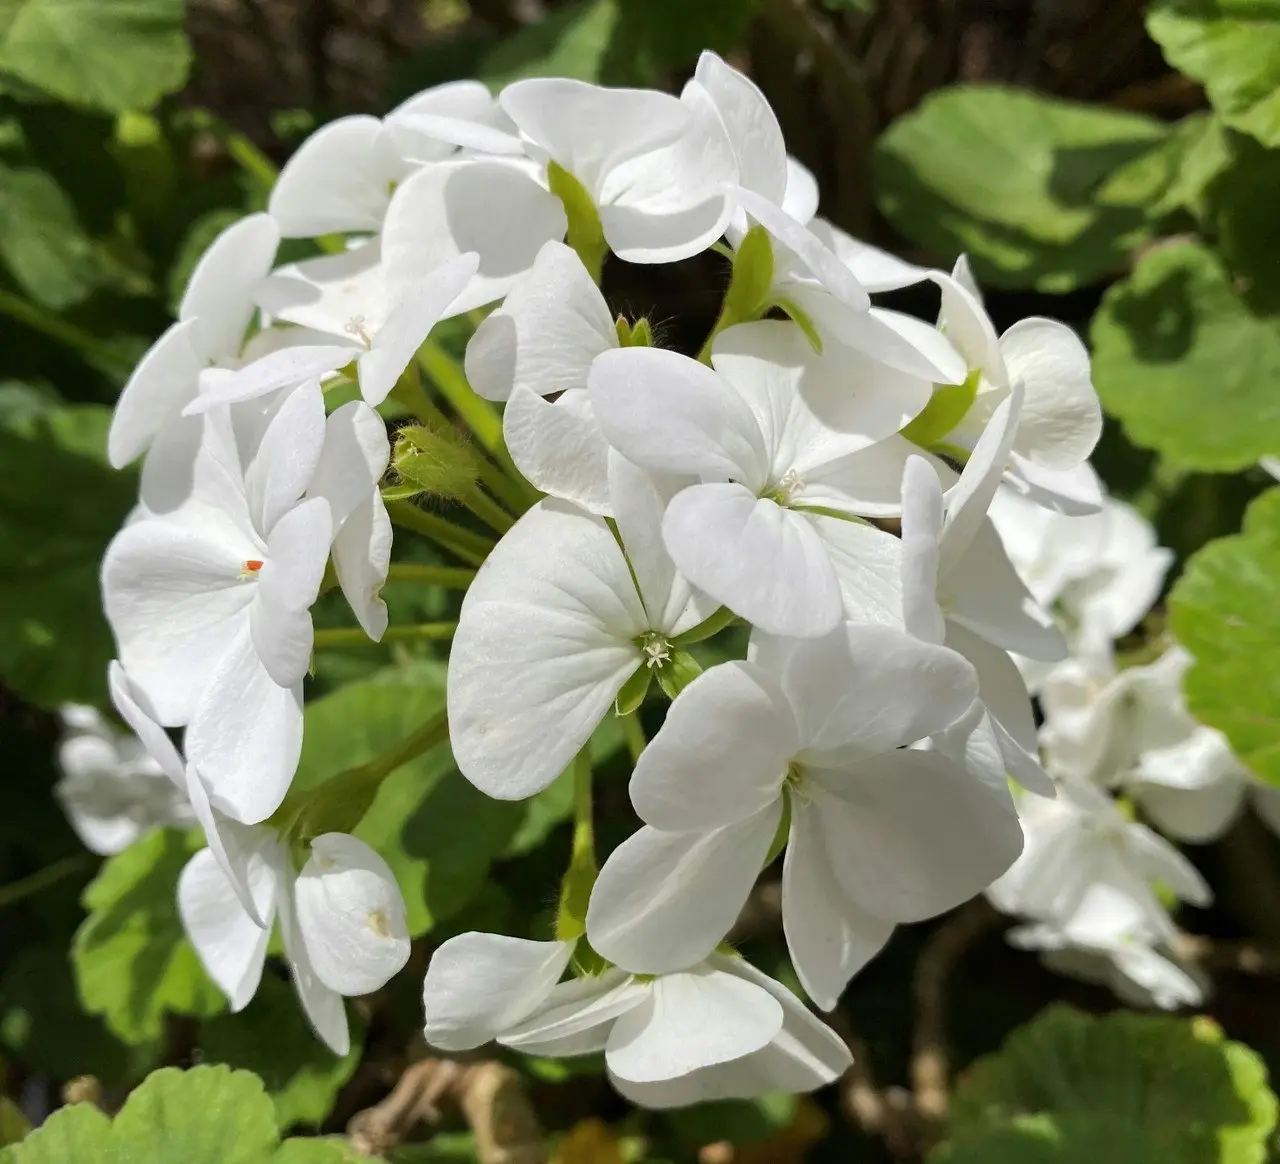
825 475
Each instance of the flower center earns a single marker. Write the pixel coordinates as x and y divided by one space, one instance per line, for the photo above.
358 327
789 486
656 648
794 782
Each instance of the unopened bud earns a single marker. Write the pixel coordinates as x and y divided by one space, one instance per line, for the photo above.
436 461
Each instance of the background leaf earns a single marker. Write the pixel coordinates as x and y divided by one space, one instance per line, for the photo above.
1033 189
1183 362
132 960
113 55
41 242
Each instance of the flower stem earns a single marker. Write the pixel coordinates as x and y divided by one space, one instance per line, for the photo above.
580 877
354 636
449 577
471 547
488 510
633 731
713 624
42 879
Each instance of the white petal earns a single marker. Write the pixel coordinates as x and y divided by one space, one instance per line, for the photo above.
245 735
589 129
1197 815
721 755
549 328
236 847
496 209
828 936
1075 491
664 901
352 460
751 124
322 1005
296 554
161 386
1061 417
765 563
873 688
427 126
286 459
808 249
671 414
868 563
340 179
875 269
416 310
362 559
967 325
866 483
732 1018
169 468
174 595
230 944
219 294
135 708
640 236
801 199
812 410
922 522
283 368
576 1017
911 834
1163 863
544 642
351 915
283 639
559 447
984 593
478 985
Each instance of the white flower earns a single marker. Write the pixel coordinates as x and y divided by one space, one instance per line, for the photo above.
554 624
1060 420
345 298
880 832
432 125
778 438
111 789
1109 940
1082 840
959 588
716 1030
341 917
210 604
213 316
541 343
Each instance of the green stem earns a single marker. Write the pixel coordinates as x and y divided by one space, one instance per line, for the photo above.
580 877
488 510
50 875
471 547
432 733
713 624
354 636
84 344
633 731
449 577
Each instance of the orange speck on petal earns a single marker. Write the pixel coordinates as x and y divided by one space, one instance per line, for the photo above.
253 565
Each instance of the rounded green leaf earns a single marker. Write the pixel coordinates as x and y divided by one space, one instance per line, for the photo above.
1181 360
1040 193
1226 611
113 55
1232 47
1185 1094
132 960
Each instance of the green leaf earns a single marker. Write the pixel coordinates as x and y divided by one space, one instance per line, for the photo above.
1241 213
112 55
572 42
436 831
669 34
302 1076
132 960
1181 360
207 1115
41 242
1225 610
1184 1093
1037 191
59 505
14 1126
1232 47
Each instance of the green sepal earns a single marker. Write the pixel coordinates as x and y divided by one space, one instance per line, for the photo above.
623 328
677 673
400 492
436 461
752 276
575 893
586 961
946 409
801 319
641 334
631 694
713 624
585 234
